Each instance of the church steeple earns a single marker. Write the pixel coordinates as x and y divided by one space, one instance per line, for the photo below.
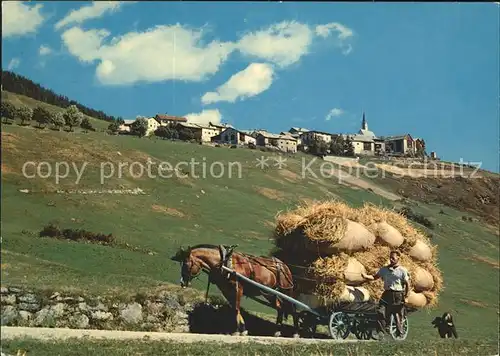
364 124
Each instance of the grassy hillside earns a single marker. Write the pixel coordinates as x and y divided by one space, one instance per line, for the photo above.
192 209
18 100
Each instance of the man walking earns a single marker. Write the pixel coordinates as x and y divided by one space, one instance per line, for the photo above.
396 287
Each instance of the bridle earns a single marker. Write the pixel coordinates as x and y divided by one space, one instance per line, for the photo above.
190 276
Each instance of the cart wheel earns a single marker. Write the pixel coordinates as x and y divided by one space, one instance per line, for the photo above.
358 329
339 325
377 334
393 329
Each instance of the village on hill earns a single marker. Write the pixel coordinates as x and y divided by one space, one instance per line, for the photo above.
362 143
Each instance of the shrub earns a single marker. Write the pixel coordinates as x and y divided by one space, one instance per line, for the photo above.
418 218
52 230
86 124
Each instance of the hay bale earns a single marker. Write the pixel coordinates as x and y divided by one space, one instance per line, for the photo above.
432 298
331 267
341 267
421 251
387 234
349 294
286 223
370 214
355 294
325 228
336 243
422 280
355 237
353 271
416 300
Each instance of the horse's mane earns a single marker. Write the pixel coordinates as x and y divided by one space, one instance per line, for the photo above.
182 252
204 246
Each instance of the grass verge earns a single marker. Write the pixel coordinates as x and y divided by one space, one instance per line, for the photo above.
77 347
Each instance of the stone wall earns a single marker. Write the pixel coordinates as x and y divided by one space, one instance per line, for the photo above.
165 311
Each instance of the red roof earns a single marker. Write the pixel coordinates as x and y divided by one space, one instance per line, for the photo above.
170 118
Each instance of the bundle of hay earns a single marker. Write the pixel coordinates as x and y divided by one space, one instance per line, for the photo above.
329 245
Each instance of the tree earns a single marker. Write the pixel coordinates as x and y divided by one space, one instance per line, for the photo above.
420 148
18 84
42 116
58 120
114 127
139 127
9 111
337 145
86 124
73 117
25 113
186 134
167 132
348 147
318 147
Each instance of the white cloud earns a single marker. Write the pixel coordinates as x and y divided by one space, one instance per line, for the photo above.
88 12
251 81
14 63
326 30
203 118
283 43
85 45
19 19
44 50
344 34
335 112
179 53
160 53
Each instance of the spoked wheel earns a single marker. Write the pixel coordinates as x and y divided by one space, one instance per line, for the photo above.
377 334
365 331
339 325
359 330
393 328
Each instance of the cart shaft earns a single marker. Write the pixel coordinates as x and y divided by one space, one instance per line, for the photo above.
272 291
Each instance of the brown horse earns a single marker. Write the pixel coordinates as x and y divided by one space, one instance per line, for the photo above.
270 272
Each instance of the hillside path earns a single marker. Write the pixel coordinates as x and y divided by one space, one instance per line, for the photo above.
11 332
355 180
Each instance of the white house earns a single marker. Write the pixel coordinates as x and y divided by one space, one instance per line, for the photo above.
285 143
365 142
402 144
165 119
200 132
125 127
234 137
308 137
220 127
153 124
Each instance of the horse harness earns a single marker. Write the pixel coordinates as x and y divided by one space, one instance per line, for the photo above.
226 257
226 253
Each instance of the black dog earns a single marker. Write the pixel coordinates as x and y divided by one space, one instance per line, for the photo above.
446 326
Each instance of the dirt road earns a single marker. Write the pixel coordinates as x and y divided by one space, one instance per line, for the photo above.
11 332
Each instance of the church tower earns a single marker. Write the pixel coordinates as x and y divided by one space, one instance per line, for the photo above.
364 128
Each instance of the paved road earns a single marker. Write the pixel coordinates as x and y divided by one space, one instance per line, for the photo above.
10 332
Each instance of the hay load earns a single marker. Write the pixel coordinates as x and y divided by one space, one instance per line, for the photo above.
331 244
386 234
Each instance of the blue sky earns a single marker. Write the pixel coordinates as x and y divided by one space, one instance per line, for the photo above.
428 69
